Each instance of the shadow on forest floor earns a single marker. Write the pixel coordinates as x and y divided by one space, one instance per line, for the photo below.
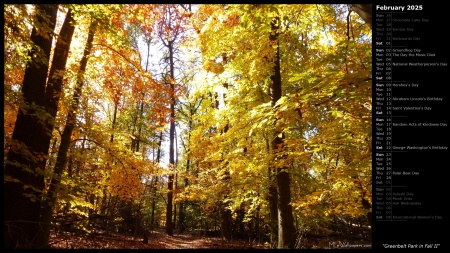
159 240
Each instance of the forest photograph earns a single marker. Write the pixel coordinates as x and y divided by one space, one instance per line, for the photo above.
176 126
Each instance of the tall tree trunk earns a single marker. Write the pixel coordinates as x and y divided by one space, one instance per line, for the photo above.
22 197
155 182
141 114
174 223
53 92
183 205
286 229
55 78
176 182
169 225
61 160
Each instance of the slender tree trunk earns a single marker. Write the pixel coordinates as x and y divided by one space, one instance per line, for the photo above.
109 207
22 198
155 182
174 223
286 229
186 181
154 189
182 215
176 182
169 225
138 141
61 160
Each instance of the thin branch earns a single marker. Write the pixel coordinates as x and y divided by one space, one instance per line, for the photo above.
126 59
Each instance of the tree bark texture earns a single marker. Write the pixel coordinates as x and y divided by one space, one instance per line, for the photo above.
61 160
286 229
364 11
169 225
22 197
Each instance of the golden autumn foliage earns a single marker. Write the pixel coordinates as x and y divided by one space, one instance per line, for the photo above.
225 120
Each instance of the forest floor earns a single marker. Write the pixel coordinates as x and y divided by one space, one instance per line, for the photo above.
159 240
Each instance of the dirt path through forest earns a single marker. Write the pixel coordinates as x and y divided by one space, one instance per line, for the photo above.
157 240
